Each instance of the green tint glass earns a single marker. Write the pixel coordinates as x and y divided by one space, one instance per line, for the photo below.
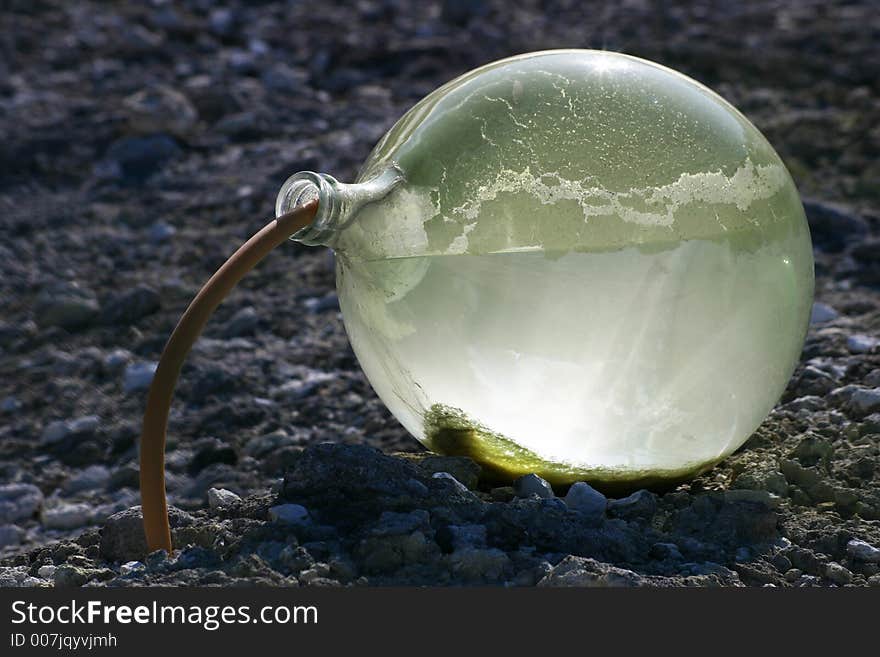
576 263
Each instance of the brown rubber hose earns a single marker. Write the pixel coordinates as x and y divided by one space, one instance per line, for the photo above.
152 452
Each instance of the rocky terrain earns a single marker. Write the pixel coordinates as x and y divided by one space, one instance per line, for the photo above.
141 143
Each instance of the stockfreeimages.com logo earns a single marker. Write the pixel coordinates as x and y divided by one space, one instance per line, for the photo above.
209 617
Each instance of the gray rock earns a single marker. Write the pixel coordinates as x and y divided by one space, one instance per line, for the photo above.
66 305
122 536
762 497
587 500
260 446
17 577
866 400
88 424
242 323
19 502
462 468
47 571
478 565
138 376
10 535
445 476
838 574
822 313
351 472
220 497
833 226
55 432
131 305
59 430
161 232
116 360
66 516
392 523
10 404
532 484
137 157
160 109
130 567
861 344
467 536
90 478
641 504
289 513
579 571
863 551
301 388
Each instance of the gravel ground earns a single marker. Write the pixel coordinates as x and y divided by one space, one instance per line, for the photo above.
141 144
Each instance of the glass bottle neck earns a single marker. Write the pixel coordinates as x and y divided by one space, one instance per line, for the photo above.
338 203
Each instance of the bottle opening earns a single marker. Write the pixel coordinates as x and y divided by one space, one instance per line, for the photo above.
302 188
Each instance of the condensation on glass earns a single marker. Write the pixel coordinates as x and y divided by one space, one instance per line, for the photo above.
575 263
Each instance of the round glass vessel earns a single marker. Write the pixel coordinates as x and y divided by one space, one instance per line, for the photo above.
575 263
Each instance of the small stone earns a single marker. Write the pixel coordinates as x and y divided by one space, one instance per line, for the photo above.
161 232
242 323
866 400
321 304
641 504
122 536
467 536
301 388
532 484
221 21
130 567
838 574
85 425
392 523
762 497
10 404
822 313
160 109
19 502
793 574
462 468
10 535
66 305
474 564
116 360
47 571
131 305
261 446
18 577
220 497
289 514
874 580
66 516
416 487
67 576
584 572
138 376
445 476
587 500
55 432
91 478
861 344
833 226
138 157
863 551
